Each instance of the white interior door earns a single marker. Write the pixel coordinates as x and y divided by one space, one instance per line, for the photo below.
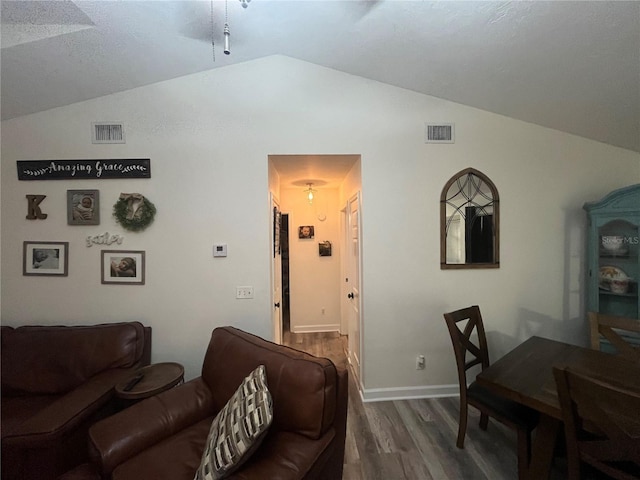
276 271
345 246
353 283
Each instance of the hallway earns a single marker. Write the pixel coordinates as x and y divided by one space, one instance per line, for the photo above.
330 345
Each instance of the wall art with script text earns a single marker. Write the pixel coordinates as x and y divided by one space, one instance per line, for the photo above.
84 169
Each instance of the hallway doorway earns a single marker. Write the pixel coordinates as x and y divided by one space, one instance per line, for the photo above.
316 295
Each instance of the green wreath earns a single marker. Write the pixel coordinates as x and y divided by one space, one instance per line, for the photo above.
140 220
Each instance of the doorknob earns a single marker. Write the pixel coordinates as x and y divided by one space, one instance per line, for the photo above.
350 295
276 305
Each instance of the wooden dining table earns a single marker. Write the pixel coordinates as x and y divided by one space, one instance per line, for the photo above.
525 375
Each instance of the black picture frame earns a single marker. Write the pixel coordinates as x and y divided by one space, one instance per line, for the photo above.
306 232
324 248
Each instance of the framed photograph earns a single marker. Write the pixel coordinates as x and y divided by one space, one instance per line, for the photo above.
83 207
306 231
45 258
125 267
324 248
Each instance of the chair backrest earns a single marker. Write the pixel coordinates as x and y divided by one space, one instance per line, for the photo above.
602 424
462 325
306 390
610 327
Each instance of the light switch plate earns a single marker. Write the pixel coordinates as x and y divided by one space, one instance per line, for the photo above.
244 292
220 250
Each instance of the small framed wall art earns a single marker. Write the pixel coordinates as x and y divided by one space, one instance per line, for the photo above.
306 231
277 220
123 267
83 207
324 248
45 259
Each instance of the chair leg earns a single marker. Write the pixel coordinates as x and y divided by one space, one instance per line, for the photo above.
462 425
484 421
524 453
573 463
573 471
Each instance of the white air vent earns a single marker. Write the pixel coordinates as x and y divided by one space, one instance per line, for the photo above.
439 133
107 132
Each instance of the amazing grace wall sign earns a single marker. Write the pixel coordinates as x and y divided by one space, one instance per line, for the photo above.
84 169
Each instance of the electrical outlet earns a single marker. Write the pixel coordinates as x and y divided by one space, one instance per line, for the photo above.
244 292
420 362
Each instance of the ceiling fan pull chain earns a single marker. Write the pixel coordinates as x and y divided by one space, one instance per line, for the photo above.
227 33
213 43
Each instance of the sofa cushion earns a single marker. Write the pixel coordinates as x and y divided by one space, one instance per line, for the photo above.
55 359
286 455
309 412
282 455
238 429
174 458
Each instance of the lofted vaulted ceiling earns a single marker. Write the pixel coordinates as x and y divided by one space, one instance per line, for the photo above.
569 65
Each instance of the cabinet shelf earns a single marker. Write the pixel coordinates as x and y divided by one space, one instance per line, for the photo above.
627 257
628 295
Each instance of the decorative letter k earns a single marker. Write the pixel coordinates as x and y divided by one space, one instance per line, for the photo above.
33 208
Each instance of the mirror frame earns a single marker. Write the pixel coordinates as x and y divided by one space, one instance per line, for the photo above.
443 222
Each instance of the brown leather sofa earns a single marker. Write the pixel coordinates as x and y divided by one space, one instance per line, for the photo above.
56 382
163 437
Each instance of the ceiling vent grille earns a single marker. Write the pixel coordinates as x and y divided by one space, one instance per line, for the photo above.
439 133
107 132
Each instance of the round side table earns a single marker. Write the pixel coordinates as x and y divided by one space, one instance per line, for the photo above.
155 378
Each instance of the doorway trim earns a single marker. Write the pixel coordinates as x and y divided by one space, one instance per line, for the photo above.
352 238
276 271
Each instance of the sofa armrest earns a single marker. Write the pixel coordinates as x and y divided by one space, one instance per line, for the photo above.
114 440
67 412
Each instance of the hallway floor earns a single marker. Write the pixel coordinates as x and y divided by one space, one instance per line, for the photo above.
415 439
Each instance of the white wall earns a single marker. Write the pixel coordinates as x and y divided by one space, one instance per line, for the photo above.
209 136
314 280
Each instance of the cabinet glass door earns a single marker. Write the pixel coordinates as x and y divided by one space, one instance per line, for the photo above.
618 271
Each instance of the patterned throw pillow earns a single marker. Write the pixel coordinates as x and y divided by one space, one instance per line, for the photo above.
238 429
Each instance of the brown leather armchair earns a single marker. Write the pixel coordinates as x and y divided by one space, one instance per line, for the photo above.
56 382
163 437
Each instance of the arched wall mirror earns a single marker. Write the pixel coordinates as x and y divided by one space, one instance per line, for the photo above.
469 222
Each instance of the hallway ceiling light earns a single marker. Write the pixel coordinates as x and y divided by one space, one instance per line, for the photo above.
309 192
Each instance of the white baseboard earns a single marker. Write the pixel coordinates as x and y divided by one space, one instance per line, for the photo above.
387 394
408 393
315 328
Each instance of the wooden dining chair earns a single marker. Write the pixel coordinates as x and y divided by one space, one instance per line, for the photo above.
512 414
601 423
611 327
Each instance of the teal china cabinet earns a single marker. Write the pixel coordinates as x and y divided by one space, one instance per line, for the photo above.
613 253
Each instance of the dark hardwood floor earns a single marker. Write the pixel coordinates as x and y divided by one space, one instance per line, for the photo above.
415 439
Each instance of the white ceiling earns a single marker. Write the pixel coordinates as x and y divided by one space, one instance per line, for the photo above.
573 66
